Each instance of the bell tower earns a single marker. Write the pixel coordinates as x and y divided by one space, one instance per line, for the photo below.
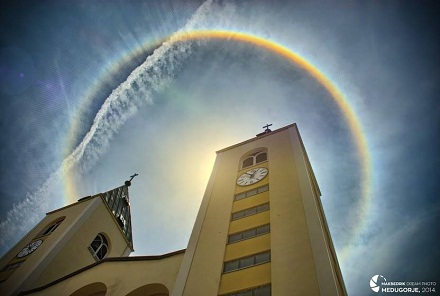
261 228
68 239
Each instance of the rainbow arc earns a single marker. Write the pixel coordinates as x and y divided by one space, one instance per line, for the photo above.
342 103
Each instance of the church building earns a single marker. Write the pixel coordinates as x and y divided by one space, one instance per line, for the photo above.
260 231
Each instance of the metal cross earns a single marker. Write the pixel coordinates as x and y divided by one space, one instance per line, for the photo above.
267 127
132 177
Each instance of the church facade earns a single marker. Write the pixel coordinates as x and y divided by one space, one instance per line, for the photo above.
260 230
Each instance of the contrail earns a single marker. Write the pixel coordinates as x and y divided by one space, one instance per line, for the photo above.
150 77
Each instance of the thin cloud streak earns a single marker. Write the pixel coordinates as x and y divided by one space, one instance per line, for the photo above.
153 75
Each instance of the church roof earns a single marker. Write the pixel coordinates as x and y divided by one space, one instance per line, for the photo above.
118 202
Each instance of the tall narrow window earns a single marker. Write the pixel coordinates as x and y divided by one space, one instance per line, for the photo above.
99 247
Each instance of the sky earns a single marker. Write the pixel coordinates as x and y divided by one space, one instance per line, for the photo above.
94 91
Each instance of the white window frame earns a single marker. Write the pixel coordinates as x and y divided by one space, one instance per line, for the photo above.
103 243
254 159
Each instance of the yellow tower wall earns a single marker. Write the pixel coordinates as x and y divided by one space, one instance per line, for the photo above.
249 277
209 247
303 261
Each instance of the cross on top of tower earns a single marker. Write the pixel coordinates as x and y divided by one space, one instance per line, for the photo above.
267 130
128 183
132 176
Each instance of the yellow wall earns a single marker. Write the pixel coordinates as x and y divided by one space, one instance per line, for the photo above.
290 243
75 253
209 244
65 250
256 275
302 255
245 203
123 277
246 278
32 265
249 222
247 247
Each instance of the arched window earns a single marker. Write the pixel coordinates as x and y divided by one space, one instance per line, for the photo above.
260 157
52 226
99 247
248 162
254 159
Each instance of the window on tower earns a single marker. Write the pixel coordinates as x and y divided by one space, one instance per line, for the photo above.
254 159
12 265
248 162
246 262
250 233
260 157
251 192
99 247
250 211
258 291
52 226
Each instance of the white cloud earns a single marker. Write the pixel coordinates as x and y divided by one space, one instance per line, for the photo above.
152 76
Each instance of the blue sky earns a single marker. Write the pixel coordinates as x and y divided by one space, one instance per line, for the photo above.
62 64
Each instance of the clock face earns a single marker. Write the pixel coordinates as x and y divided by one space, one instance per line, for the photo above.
252 176
29 248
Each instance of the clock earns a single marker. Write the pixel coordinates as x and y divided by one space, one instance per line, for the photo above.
252 176
30 248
